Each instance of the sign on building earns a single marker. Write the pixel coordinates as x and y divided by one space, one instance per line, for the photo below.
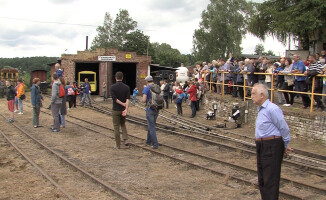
106 58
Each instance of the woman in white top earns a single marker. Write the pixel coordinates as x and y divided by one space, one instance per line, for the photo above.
288 83
268 78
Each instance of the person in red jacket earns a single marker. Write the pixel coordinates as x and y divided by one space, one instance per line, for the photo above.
192 91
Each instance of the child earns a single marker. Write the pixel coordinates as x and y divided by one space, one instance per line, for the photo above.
58 70
180 95
10 94
134 95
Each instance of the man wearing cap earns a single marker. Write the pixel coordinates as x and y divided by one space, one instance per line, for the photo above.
272 138
151 115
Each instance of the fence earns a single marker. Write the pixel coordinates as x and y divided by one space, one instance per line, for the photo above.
247 87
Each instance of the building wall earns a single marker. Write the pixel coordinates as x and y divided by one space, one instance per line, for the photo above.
105 68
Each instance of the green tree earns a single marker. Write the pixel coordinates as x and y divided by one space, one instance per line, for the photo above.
103 38
122 25
302 19
139 42
113 34
269 53
221 29
259 49
165 55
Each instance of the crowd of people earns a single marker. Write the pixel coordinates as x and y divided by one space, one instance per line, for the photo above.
61 93
251 71
15 94
256 73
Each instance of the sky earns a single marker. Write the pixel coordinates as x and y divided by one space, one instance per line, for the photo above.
53 27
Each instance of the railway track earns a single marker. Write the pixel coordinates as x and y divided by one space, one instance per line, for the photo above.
235 135
59 168
310 164
220 167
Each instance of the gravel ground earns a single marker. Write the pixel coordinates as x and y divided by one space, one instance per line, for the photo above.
136 172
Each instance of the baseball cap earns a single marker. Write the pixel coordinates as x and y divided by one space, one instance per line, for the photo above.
149 78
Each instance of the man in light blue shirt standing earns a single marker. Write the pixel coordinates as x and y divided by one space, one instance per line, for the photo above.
272 138
300 85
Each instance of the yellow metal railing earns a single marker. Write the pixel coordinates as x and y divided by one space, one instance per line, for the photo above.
246 87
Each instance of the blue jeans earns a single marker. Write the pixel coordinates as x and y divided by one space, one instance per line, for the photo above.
133 100
62 119
193 108
88 96
151 116
104 96
20 104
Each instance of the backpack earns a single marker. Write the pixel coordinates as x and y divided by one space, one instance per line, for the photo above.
70 91
62 92
156 101
198 94
177 96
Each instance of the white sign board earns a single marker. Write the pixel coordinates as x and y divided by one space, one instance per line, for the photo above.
106 58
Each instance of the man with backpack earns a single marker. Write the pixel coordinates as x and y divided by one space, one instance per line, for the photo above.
56 102
154 101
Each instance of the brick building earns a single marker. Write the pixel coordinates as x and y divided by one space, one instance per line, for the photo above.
105 63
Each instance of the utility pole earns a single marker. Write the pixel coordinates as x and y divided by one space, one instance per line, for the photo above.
86 43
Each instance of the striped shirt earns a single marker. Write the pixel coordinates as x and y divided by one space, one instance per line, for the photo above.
316 67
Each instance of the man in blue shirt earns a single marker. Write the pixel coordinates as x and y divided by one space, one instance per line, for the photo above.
225 68
301 86
86 92
272 138
151 115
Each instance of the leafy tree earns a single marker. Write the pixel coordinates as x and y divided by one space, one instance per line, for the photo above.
103 38
221 29
122 25
259 49
269 53
28 64
138 42
165 55
301 19
113 34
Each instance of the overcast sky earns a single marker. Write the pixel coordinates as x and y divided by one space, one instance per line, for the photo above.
49 27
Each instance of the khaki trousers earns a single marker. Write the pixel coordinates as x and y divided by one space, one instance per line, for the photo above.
119 120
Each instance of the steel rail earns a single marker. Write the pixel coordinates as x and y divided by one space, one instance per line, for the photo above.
43 173
84 172
298 154
284 180
250 148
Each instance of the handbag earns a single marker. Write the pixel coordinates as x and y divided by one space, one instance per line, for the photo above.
22 97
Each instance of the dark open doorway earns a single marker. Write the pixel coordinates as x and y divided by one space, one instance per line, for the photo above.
92 67
129 73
